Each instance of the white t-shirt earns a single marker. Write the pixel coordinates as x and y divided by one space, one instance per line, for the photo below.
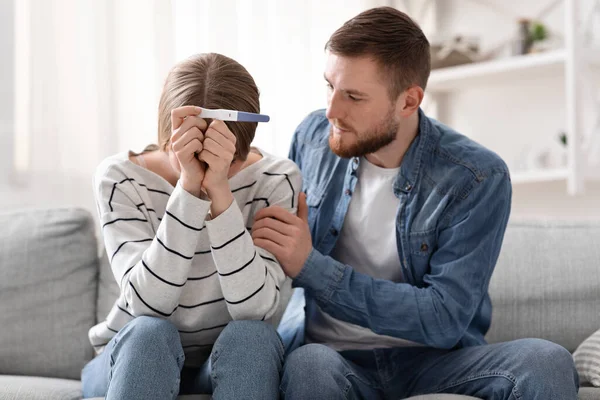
367 243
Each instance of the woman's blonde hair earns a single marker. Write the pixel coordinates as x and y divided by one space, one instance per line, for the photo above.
209 80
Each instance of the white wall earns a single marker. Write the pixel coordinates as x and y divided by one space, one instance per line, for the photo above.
281 43
6 88
97 68
504 118
514 117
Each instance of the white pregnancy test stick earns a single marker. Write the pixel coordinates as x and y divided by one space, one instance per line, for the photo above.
231 115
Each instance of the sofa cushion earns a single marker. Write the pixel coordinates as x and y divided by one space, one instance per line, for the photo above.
108 289
587 359
547 282
48 286
589 393
185 397
34 388
442 396
424 397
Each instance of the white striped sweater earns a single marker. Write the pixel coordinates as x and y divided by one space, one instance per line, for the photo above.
171 261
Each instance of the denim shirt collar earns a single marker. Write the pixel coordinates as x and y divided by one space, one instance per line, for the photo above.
413 159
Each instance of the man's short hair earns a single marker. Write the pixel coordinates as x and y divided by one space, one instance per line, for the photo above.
393 40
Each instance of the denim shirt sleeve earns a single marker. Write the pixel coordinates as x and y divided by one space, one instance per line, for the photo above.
460 269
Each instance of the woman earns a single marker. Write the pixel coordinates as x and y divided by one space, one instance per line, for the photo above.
175 220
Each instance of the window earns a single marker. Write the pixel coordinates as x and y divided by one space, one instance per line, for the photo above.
7 89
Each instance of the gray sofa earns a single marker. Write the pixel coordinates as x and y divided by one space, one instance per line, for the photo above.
53 287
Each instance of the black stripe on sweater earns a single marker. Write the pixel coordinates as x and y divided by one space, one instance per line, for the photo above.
287 178
109 328
244 187
229 241
112 193
173 251
130 180
129 241
162 279
259 199
125 311
198 278
124 219
253 294
183 223
148 305
241 268
268 259
158 191
139 206
202 304
125 274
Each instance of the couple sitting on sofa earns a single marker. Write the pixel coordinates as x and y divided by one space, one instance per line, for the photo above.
394 241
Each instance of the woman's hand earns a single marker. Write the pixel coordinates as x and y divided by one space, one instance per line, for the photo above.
218 153
187 136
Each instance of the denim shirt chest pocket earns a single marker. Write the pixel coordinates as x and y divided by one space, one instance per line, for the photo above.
421 248
314 199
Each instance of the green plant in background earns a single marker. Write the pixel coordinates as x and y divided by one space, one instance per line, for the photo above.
538 32
562 137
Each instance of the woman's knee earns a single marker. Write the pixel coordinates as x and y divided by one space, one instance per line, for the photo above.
249 335
146 332
307 359
320 365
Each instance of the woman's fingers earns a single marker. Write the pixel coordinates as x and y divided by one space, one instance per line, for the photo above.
188 152
209 157
188 124
192 134
178 115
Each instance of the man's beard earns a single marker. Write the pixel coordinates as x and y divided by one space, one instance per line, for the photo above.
369 142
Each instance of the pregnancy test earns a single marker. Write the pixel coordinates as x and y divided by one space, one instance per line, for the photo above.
232 115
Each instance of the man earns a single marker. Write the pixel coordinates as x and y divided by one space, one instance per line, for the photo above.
407 218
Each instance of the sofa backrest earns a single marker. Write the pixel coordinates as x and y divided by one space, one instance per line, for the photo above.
547 282
108 289
53 287
48 290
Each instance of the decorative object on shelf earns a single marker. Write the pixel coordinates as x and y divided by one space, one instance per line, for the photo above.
569 55
547 155
532 37
523 40
455 51
531 34
540 38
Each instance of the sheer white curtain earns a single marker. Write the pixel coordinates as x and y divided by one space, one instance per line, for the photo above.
88 75
280 43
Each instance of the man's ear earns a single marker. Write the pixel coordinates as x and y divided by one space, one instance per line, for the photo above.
412 99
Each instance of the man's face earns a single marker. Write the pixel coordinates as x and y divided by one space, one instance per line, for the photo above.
362 116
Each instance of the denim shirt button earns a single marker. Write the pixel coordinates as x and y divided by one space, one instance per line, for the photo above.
355 161
408 187
333 231
348 192
424 247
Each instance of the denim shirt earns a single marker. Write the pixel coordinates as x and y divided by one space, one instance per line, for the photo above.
455 198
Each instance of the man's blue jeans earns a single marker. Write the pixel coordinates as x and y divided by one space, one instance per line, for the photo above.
527 369
145 361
